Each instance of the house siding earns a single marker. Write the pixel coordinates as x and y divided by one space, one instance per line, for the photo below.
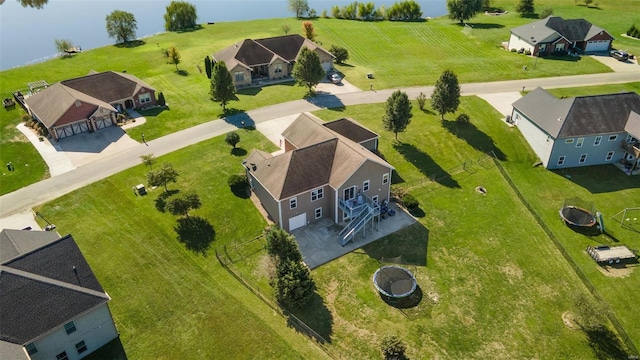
368 171
95 328
269 204
246 73
278 75
515 42
305 205
371 145
596 155
541 142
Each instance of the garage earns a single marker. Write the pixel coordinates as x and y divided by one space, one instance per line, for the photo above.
64 131
297 221
80 127
103 123
327 66
597 45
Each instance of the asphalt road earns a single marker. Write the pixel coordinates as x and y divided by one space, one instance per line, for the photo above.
54 187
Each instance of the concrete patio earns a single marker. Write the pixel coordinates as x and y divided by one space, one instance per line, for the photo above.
319 241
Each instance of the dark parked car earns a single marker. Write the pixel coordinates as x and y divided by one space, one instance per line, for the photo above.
619 55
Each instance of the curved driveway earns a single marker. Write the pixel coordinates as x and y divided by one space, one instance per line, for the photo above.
54 187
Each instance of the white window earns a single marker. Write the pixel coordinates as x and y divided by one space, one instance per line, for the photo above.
62 356
597 141
559 47
543 47
318 213
144 98
385 178
579 142
81 347
31 348
561 160
277 68
613 137
70 327
583 158
293 203
365 185
375 199
568 141
609 156
239 76
317 194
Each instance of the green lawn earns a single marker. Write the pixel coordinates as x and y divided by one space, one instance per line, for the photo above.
399 54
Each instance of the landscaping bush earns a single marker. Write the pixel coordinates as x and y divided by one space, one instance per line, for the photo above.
422 99
527 52
238 184
463 119
282 245
514 50
392 347
410 202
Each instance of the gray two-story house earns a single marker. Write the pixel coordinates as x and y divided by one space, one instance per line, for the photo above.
583 130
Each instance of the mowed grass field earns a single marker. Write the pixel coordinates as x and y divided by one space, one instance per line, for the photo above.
493 285
398 54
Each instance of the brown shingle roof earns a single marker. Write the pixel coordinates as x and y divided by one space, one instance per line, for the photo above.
108 86
351 130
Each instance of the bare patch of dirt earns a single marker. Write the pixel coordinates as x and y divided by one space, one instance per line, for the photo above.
615 271
513 272
266 267
569 320
18 138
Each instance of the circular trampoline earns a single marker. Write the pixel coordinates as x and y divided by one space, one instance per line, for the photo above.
576 216
394 281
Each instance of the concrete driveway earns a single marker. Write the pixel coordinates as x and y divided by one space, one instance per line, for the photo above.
628 66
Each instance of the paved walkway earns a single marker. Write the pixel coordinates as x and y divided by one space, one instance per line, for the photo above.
56 186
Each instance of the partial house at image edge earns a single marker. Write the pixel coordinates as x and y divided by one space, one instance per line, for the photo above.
51 304
88 103
555 34
583 130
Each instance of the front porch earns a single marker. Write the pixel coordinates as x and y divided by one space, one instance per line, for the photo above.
260 81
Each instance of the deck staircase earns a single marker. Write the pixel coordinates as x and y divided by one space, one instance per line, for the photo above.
361 212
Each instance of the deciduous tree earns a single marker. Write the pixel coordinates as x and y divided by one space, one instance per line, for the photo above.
148 160
180 16
525 8
308 70
162 176
446 94
38 4
173 56
62 45
309 30
398 113
181 203
121 25
222 88
232 138
340 53
299 7
463 10
286 28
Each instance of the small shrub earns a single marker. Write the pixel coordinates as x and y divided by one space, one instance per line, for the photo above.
392 347
238 182
514 50
26 117
546 12
527 52
410 202
463 119
422 99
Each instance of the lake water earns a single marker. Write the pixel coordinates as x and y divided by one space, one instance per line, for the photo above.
28 35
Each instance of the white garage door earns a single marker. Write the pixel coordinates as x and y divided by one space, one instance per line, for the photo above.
602 45
103 123
80 127
64 131
297 221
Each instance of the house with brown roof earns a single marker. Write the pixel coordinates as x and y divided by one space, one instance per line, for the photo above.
328 170
269 59
88 103
52 306
583 130
555 34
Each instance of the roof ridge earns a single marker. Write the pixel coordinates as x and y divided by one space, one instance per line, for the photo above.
36 249
50 281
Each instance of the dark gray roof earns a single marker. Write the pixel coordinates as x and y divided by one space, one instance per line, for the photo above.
309 167
40 291
108 86
552 27
18 242
579 116
573 30
287 46
351 130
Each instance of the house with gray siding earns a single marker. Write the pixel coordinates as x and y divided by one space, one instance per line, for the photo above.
328 170
583 130
52 306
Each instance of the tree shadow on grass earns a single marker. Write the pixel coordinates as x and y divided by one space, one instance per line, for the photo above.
153 111
195 233
317 318
182 72
238 151
474 137
130 44
605 343
483 26
425 164
599 179
161 200
243 192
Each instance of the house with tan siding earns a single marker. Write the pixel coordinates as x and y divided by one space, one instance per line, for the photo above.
328 170
52 306
88 103
268 59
